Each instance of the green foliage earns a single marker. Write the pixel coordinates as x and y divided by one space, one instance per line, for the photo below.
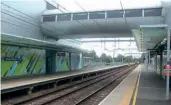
92 55
109 59
119 58
105 58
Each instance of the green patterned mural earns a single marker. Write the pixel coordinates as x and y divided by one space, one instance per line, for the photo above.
21 61
62 63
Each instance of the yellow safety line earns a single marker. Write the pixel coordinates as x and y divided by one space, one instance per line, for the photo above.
128 94
136 91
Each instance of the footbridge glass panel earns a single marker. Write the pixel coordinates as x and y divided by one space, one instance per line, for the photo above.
64 17
133 13
153 12
80 16
97 15
49 18
114 14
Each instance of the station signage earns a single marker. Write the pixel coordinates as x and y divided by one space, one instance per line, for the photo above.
11 59
167 66
152 53
155 52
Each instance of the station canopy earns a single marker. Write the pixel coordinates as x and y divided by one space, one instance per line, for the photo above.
35 43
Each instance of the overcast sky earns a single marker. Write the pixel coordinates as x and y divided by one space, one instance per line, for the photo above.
91 5
124 48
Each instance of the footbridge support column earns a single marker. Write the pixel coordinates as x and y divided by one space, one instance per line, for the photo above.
70 65
50 61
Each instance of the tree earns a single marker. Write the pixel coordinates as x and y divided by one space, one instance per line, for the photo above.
128 58
108 59
92 56
119 58
97 59
103 57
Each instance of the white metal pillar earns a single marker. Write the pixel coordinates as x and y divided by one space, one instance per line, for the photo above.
148 60
70 66
168 62
81 61
161 63
122 59
156 63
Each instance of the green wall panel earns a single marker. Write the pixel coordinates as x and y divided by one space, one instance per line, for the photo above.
62 63
21 61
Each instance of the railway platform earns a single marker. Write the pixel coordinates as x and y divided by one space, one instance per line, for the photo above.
29 82
142 87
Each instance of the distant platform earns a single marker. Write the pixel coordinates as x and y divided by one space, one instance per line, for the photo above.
18 83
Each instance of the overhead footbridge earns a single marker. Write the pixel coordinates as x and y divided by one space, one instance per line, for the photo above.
97 24
146 25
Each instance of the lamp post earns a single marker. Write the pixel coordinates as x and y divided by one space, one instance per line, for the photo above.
168 63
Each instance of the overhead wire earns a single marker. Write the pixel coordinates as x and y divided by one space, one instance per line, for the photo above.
18 11
124 15
19 18
71 12
60 5
17 25
7 11
22 13
25 20
99 26
79 5
125 21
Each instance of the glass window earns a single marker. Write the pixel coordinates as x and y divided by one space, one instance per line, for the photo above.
133 13
64 17
80 16
49 18
97 15
114 14
152 12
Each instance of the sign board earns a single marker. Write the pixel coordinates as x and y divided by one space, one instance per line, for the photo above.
155 53
168 66
11 59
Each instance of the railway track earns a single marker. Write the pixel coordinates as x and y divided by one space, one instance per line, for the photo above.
79 96
74 93
97 97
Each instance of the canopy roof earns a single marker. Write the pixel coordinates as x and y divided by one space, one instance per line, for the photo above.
34 43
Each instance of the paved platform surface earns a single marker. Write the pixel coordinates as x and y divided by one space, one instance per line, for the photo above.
152 89
12 83
122 94
142 87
